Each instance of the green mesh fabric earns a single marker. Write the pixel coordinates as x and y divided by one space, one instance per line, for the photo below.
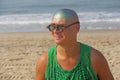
82 70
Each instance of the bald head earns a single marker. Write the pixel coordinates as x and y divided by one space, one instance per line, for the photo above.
66 14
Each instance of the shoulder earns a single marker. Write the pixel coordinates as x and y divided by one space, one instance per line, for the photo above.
97 55
97 59
41 66
100 65
42 60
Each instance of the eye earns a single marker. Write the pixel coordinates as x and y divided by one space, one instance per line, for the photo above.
60 27
51 27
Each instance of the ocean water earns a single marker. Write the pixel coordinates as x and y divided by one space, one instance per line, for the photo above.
35 15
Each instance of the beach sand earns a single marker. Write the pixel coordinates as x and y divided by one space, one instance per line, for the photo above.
20 51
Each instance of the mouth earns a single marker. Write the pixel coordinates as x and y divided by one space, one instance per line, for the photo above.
57 37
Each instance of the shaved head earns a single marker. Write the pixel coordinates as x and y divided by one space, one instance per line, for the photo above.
66 14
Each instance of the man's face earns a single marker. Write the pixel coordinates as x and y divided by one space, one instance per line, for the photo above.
67 34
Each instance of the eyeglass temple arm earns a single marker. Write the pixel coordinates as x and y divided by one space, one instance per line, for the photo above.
71 24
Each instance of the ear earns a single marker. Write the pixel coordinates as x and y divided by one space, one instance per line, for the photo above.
77 27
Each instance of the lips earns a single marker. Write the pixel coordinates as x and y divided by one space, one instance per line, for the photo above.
57 37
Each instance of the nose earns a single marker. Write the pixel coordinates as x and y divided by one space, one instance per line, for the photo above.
56 30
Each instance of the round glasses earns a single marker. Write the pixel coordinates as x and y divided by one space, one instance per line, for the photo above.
59 27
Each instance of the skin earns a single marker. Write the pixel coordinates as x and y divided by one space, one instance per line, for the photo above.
68 50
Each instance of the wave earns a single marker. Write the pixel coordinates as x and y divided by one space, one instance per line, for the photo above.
100 20
45 18
95 17
25 19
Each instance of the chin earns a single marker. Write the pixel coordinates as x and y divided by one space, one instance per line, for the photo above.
58 41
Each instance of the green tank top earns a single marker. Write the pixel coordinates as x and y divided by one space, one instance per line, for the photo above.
82 70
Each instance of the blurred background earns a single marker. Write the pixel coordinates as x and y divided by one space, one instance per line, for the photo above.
35 15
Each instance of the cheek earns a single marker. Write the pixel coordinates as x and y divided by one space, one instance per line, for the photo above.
70 35
66 35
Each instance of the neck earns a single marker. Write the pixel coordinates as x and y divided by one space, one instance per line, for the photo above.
69 50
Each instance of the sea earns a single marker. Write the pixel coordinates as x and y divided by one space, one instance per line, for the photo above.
35 15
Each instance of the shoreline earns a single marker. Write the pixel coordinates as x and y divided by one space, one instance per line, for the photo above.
80 30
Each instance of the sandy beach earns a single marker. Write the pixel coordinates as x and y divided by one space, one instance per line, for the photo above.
20 51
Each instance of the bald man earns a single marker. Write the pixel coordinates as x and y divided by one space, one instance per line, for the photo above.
70 59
